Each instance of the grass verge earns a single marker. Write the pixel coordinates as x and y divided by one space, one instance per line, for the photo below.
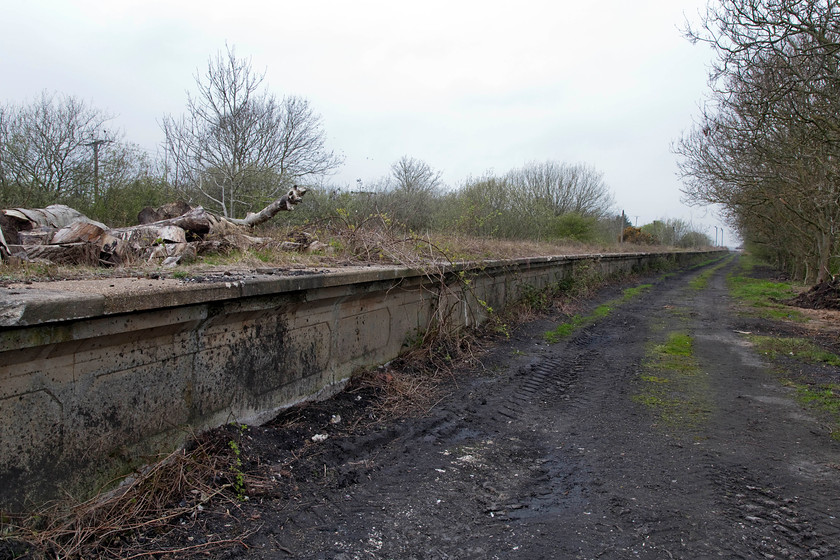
824 398
764 297
797 348
814 390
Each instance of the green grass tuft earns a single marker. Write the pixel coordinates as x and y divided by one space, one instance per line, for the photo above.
796 348
765 297
678 344
672 385
825 399
578 321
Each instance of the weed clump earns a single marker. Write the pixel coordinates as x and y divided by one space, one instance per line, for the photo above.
796 348
167 493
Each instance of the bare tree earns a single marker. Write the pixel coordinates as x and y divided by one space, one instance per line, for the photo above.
672 231
548 200
482 207
238 146
563 188
45 150
410 193
767 146
414 176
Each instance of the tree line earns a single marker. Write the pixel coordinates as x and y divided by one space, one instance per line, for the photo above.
237 147
766 146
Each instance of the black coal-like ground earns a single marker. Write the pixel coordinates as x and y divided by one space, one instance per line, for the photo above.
548 452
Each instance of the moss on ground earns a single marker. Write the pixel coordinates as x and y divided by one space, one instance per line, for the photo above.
672 384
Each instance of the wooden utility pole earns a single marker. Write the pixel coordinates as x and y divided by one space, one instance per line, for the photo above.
623 221
95 144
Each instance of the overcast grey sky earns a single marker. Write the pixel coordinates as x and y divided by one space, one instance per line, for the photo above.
467 86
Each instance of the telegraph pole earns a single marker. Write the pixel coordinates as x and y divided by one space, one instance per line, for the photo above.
95 144
621 234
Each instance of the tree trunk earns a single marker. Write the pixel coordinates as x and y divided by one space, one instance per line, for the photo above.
82 253
825 246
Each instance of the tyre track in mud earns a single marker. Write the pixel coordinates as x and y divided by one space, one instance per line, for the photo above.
548 455
774 467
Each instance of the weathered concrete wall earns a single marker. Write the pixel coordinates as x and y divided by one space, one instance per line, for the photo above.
95 383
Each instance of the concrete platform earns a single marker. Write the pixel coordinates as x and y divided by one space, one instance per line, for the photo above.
99 377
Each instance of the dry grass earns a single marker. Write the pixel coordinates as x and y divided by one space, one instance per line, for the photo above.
401 393
477 248
413 384
374 240
175 488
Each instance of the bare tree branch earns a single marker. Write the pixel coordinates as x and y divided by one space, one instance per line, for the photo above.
239 146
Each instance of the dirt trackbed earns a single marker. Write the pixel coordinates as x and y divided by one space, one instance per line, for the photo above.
592 447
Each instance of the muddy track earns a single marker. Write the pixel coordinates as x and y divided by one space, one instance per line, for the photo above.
551 452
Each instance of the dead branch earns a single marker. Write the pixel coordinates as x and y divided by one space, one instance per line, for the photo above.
286 202
178 486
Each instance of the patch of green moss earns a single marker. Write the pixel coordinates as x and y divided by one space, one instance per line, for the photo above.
655 379
678 344
635 291
672 384
577 321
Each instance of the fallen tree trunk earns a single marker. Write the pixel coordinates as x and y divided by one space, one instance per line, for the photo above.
86 254
14 221
285 203
55 233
